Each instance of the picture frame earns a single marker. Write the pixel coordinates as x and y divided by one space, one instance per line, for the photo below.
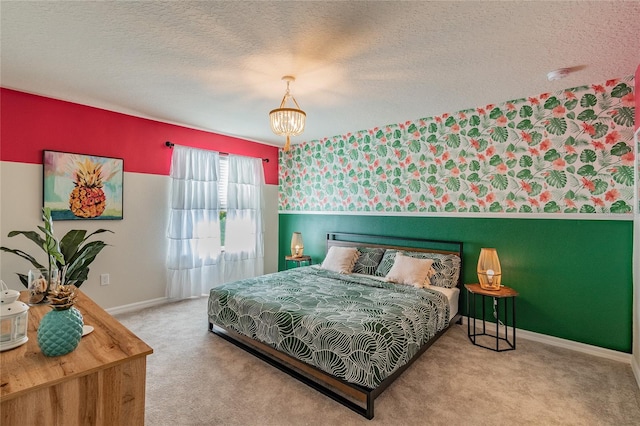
82 186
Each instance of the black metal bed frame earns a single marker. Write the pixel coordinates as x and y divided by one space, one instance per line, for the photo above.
331 386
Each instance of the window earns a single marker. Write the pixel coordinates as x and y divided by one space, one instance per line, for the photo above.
222 194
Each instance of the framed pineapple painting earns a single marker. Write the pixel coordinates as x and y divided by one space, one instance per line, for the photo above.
79 186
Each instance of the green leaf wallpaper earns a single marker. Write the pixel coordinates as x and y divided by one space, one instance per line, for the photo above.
565 152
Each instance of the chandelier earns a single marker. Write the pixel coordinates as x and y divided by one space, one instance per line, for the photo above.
287 121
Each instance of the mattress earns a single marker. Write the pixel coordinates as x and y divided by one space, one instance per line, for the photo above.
356 328
452 295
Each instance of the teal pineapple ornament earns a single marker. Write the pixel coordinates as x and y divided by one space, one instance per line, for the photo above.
60 330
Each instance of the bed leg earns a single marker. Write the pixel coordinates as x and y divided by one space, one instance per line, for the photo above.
369 413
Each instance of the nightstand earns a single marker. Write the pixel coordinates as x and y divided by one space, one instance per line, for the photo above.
297 260
505 294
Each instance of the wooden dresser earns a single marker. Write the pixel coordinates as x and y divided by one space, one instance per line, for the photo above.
102 382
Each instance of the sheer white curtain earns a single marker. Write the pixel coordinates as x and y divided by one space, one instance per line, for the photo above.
193 257
244 239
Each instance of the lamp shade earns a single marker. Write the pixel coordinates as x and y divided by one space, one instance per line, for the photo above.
489 271
13 319
297 245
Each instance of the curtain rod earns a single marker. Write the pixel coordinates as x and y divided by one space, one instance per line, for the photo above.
171 145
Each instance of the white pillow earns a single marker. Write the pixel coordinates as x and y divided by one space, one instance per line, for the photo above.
340 259
410 271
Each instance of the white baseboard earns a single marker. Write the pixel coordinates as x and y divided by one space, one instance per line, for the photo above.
635 366
137 306
567 344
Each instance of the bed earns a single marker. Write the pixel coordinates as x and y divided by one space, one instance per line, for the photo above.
342 327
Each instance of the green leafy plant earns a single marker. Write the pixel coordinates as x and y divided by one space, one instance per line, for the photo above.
71 255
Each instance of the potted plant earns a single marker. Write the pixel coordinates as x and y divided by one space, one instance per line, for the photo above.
71 255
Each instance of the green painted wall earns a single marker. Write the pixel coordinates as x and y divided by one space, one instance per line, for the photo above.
574 276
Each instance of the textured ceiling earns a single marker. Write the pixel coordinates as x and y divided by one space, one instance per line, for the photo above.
217 65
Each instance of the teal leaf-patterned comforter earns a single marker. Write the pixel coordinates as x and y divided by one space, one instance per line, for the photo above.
355 328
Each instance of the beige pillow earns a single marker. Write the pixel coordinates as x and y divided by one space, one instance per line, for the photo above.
410 271
340 259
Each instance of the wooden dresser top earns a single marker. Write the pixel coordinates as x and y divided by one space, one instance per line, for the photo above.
26 368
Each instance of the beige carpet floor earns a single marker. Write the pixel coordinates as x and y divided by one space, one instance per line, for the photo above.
196 378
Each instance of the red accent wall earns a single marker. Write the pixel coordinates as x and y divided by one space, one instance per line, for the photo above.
31 124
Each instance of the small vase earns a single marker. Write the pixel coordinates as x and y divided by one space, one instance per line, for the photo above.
40 285
60 331
37 287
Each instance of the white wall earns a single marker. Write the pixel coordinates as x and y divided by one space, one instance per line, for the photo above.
271 229
136 256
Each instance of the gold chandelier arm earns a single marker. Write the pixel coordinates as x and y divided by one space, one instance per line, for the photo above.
284 100
295 102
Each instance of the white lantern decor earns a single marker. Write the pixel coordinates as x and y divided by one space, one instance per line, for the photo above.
14 317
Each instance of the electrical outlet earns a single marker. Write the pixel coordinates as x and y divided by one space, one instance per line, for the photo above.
104 279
